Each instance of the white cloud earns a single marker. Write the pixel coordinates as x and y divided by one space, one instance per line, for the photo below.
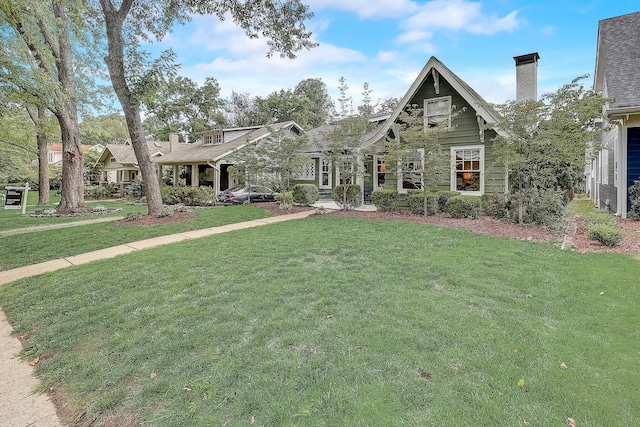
386 56
367 8
459 15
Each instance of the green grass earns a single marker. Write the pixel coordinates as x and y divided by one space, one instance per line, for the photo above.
30 248
336 321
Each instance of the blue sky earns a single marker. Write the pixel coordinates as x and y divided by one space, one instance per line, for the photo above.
387 42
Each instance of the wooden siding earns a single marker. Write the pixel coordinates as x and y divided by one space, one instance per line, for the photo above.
633 159
467 132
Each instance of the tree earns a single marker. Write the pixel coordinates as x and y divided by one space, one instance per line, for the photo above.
183 107
103 129
346 136
17 145
281 23
41 39
322 105
420 146
282 106
240 110
543 142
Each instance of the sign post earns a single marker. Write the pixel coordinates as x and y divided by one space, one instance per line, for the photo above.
16 198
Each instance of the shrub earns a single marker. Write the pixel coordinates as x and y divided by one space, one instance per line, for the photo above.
285 199
544 207
353 194
189 196
385 200
166 212
136 189
415 200
305 194
97 192
494 205
634 198
133 216
443 196
464 206
606 235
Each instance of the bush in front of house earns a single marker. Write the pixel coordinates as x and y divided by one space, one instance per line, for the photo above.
349 193
415 200
605 234
634 198
464 207
97 192
305 194
189 196
442 197
285 199
544 207
494 205
385 200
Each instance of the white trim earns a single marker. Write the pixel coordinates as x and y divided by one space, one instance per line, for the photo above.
324 166
375 172
453 185
399 173
435 100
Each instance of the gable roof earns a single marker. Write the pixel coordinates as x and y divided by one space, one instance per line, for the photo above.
197 152
319 137
480 106
618 62
124 154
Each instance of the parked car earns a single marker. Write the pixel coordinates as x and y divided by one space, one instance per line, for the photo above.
253 194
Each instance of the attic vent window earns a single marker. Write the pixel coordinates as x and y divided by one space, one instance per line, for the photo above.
437 112
212 138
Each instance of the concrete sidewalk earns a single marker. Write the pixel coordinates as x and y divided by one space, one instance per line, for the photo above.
20 406
57 264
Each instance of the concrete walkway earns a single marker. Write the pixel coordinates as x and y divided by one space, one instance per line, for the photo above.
19 405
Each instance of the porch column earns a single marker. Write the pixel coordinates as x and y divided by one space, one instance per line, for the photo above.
360 176
216 180
176 172
159 165
194 175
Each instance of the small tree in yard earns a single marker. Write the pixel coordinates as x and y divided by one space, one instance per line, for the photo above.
346 136
416 141
543 143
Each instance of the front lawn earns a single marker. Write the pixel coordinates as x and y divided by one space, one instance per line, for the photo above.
31 248
340 321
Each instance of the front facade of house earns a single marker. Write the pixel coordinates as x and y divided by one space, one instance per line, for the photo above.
207 162
439 92
613 163
119 165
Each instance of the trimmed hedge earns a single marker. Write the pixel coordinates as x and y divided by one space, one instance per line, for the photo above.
443 197
189 196
305 194
385 200
415 200
464 207
353 195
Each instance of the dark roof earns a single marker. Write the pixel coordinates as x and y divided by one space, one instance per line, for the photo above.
618 60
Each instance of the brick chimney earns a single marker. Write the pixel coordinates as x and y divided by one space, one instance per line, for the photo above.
527 77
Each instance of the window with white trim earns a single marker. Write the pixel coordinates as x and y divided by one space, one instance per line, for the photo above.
437 112
410 170
605 166
308 171
325 173
208 140
381 173
467 169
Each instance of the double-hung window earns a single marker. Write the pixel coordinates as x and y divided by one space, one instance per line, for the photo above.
437 112
467 169
411 168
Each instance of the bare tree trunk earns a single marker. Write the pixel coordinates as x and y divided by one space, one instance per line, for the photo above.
72 193
43 154
114 20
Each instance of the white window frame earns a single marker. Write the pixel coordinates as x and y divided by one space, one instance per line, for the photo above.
218 138
378 162
434 101
453 186
325 169
605 166
207 140
308 171
401 163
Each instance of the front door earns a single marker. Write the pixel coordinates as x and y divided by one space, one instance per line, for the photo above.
633 160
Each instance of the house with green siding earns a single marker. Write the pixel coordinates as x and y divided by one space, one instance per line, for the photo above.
446 100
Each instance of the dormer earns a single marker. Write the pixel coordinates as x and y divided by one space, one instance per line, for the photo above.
213 137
